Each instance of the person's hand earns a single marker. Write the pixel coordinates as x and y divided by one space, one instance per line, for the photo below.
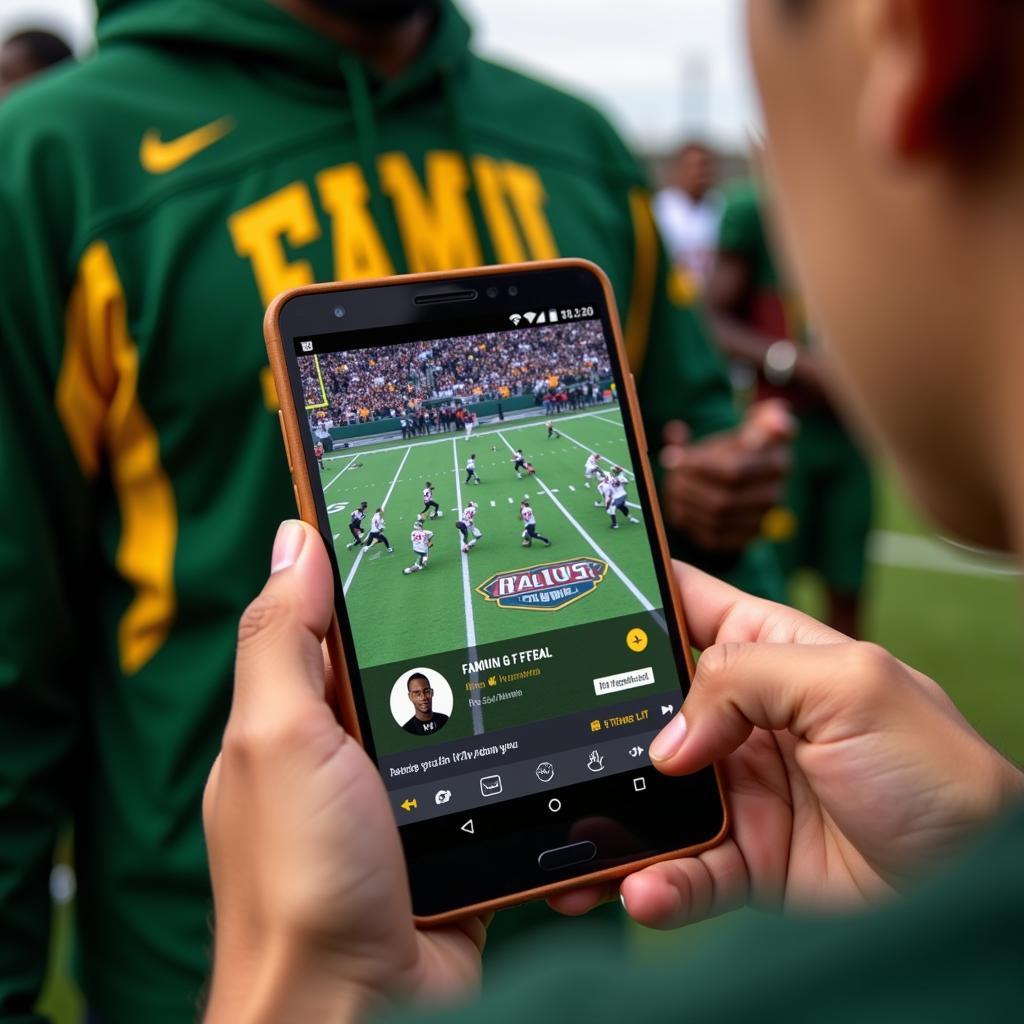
847 774
719 488
312 907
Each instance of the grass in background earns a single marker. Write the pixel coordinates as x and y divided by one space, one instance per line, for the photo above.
961 629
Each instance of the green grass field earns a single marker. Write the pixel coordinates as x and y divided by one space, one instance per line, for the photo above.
952 618
396 616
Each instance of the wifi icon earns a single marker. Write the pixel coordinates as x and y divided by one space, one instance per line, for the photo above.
515 318
530 317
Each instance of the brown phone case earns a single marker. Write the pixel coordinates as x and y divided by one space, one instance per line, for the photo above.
339 695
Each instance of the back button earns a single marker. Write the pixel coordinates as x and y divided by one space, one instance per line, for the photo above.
468 827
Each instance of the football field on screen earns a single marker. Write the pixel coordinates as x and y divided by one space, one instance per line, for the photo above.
396 616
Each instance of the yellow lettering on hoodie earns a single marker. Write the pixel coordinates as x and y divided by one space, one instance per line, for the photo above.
359 251
98 403
524 188
258 230
436 224
508 246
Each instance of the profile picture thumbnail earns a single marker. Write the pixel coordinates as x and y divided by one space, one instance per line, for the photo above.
421 701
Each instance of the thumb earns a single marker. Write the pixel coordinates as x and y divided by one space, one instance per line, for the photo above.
767 423
675 436
818 692
280 632
675 432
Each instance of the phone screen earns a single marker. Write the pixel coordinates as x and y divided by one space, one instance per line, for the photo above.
500 593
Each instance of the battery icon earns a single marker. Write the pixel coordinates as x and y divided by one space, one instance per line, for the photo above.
552 316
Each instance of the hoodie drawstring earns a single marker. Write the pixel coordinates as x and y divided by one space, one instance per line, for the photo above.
476 209
367 148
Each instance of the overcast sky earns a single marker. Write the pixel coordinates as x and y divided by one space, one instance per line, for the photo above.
658 68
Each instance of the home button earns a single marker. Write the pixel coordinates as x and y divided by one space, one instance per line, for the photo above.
564 856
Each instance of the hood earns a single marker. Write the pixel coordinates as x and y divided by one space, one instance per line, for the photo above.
262 34
261 31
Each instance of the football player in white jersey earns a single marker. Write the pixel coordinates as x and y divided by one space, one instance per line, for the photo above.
422 539
604 490
377 531
466 525
591 468
617 503
530 533
551 430
471 475
518 461
470 423
429 503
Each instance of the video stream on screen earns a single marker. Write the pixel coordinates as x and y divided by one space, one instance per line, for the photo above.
492 547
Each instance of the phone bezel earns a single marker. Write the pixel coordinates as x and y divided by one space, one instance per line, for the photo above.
373 305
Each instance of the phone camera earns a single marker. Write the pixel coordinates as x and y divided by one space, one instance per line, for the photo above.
492 292
339 311
513 290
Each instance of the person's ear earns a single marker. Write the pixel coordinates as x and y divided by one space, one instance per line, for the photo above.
929 66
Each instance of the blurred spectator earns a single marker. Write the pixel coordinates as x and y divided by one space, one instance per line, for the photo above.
825 517
25 54
688 209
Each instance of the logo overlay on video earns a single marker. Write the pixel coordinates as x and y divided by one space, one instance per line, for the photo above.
547 587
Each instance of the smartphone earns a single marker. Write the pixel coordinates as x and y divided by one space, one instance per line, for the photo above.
508 637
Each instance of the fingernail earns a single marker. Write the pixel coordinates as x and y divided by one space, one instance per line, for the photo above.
622 900
287 545
669 740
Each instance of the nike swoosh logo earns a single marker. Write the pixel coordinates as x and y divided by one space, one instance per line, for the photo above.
159 157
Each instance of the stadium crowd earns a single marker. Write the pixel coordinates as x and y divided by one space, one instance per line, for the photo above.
559 365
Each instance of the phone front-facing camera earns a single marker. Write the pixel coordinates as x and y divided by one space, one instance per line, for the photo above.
339 311
492 292
513 290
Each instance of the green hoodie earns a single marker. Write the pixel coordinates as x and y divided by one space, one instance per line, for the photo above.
152 200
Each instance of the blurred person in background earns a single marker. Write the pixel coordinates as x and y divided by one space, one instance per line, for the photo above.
824 519
688 209
24 54
861 802
152 201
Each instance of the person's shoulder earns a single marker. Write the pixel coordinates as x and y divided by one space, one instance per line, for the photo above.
80 104
740 197
440 718
547 120
741 227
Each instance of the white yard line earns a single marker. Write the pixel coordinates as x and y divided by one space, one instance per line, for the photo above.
603 420
593 451
627 582
383 504
343 470
467 598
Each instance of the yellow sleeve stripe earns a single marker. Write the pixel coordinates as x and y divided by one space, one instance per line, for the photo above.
98 404
645 267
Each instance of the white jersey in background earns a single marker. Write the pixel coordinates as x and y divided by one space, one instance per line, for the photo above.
377 523
420 540
690 229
